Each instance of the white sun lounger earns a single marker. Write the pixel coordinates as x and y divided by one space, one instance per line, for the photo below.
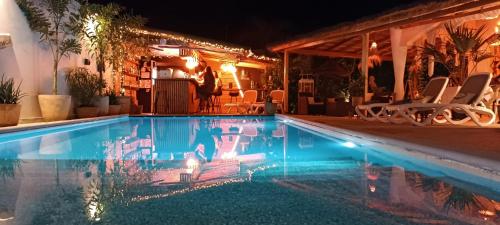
468 102
431 94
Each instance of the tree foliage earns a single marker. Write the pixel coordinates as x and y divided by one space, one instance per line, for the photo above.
57 22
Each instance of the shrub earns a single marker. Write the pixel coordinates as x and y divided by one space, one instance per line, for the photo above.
83 85
113 100
357 87
9 93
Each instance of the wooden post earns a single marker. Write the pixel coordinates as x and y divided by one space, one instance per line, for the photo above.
285 78
364 61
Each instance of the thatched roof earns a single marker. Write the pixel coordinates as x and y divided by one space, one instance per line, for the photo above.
201 44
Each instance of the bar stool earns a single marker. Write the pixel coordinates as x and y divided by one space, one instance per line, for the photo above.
234 94
216 100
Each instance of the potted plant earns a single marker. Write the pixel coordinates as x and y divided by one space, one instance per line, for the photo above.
110 43
10 109
102 102
270 107
83 87
357 90
56 21
114 105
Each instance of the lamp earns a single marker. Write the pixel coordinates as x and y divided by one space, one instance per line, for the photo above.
191 63
5 40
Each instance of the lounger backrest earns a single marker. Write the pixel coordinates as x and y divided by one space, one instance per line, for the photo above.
277 95
434 90
250 96
473 90
449 93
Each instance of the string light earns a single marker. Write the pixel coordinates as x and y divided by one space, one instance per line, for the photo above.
246 52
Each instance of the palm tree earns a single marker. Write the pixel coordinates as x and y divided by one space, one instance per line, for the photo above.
465 44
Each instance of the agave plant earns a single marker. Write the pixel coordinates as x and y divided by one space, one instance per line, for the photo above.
9 93
460 199
113 99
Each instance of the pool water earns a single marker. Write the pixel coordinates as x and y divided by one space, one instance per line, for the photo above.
225 170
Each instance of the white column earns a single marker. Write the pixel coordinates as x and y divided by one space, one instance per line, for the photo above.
399 51
285 78
364 61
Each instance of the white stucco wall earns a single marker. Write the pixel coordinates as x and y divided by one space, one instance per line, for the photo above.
30 61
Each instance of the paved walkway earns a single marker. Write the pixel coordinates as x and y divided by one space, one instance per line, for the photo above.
480 142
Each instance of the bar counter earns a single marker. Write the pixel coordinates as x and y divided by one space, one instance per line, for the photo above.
175 96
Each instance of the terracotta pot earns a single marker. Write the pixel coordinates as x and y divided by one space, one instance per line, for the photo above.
125 103
102 103
114 109
270 108
9 114
54 107
87 112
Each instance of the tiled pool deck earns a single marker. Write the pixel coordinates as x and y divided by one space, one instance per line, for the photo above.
471 140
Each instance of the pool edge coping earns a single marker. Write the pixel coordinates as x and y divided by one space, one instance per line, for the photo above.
41 125
478 166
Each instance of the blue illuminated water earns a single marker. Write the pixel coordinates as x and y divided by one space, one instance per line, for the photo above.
225 170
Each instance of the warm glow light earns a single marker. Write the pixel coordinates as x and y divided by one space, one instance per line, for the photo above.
374 45
228 68
192 163
92 208
229 155
191 63
6 219
349 144
231 68
92 24
372 187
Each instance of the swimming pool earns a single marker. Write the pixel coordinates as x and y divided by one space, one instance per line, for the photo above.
225 170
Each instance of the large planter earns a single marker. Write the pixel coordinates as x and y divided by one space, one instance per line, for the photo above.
102 103
125 103
114 109
270 108
54 107
87 112
9 114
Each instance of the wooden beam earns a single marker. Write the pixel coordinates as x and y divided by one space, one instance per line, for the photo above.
364 61
332 54
450 17
285 78
337 33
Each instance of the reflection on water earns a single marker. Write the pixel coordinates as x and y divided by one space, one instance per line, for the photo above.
215 171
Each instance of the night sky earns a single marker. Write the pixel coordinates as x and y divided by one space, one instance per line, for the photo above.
254 23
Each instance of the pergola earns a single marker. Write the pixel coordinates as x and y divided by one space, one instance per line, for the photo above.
394 33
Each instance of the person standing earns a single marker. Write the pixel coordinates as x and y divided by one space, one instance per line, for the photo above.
205 90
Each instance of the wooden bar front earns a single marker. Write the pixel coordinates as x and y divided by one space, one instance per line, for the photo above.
175 96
